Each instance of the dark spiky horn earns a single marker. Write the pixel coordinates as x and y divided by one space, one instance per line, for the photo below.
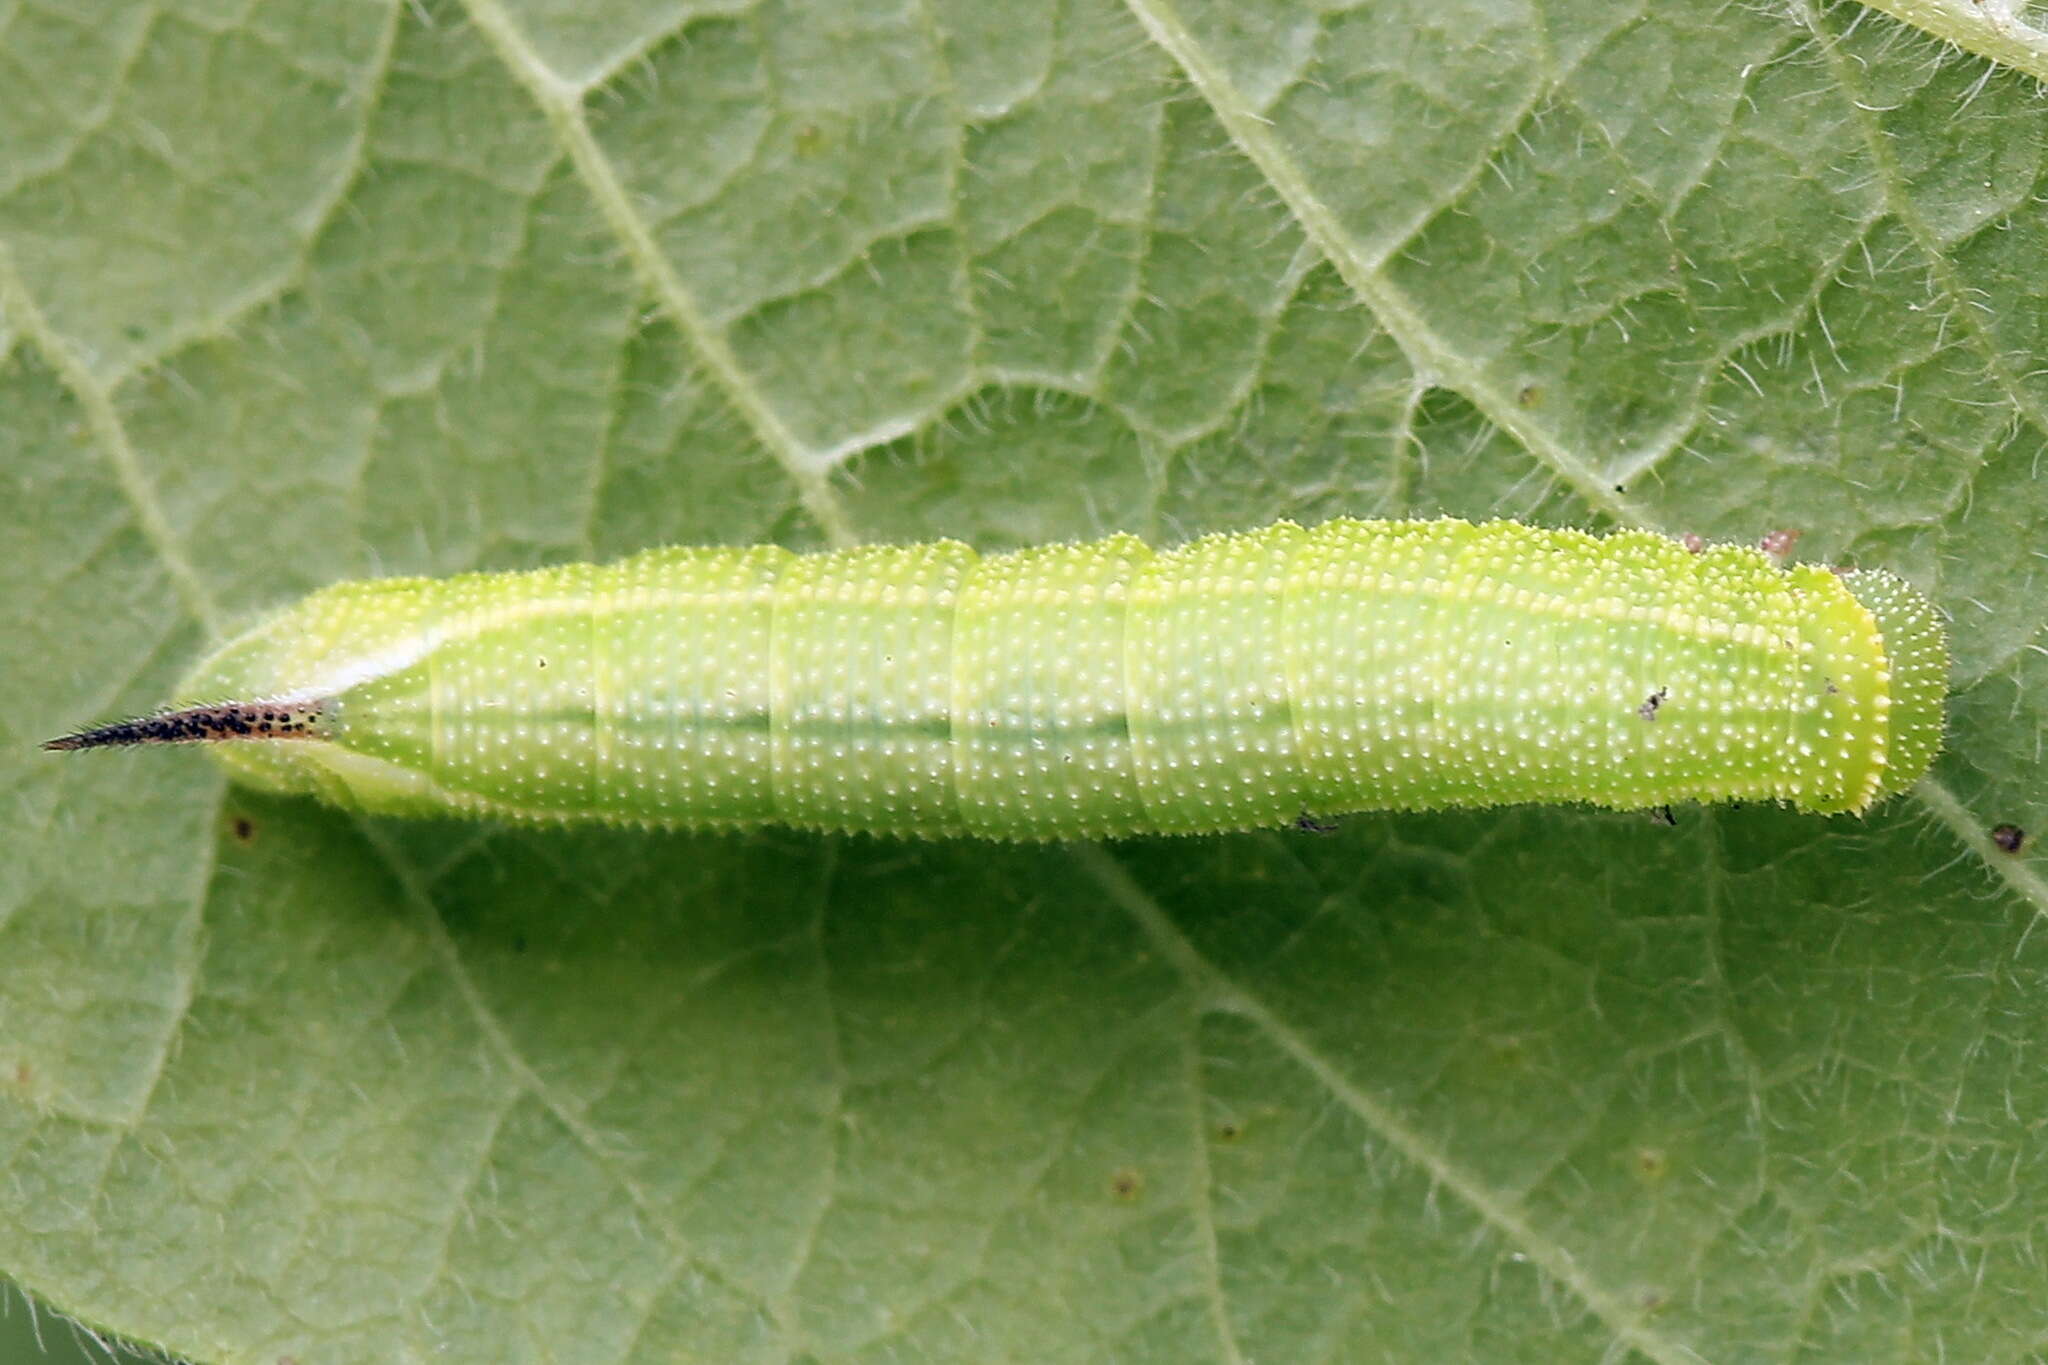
203 724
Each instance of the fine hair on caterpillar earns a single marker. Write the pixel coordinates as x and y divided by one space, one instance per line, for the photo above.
1262 679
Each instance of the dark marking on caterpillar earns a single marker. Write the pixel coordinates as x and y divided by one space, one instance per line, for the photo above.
1273 678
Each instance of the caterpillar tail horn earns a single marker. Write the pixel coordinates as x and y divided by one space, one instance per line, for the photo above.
202 725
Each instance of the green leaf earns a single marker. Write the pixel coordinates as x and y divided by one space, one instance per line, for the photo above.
296 293
2009 32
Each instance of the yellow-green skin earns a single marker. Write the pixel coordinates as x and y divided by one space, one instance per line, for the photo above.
1073 691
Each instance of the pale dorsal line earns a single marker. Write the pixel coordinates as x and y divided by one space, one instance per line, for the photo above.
562 103
1426 351
1431 356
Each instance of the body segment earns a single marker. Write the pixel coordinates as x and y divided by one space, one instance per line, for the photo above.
1238 681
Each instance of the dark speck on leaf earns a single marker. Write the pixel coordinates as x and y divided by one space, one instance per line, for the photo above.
1127 1184
2009 837
244 828
1778 544
1648 710
1662 815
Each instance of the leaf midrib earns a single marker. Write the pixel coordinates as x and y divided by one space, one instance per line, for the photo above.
562 104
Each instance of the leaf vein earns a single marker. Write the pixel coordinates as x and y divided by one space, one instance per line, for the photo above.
1902 206
1202 1201
1430 354
2018 875
501 1045
1208 980
562 103
1991 29
97 401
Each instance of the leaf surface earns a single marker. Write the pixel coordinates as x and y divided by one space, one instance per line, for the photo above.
292 294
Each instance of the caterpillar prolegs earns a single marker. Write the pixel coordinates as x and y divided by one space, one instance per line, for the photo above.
1239 681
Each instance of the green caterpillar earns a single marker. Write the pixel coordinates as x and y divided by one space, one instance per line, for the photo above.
1074 691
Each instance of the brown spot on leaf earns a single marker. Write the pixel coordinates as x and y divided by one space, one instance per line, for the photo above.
1778 544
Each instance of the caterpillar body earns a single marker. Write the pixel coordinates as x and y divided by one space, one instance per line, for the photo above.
1239 681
